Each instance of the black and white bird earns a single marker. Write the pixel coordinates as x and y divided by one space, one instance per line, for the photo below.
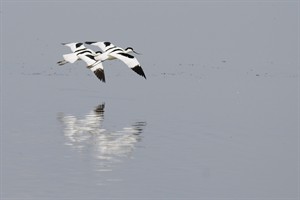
80 52
111 52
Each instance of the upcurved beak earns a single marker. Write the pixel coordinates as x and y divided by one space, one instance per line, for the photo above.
136 52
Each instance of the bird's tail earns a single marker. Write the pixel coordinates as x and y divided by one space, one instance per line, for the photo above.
71 57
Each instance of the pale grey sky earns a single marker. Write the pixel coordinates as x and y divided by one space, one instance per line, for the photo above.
168 32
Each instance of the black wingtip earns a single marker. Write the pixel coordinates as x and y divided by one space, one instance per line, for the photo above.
138 69
89 42
100 75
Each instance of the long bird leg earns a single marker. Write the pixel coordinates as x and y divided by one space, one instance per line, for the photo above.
62 62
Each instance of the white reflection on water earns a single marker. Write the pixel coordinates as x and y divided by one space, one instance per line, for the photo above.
88 136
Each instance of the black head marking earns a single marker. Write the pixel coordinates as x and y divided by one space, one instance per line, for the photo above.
128 48
78 44
107 44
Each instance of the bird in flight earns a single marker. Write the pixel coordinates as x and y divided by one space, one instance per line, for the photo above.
80 52
111 52
94 59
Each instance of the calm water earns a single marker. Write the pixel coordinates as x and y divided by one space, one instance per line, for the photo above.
206 133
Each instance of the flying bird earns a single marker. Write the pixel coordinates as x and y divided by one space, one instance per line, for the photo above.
111 52
76 48
80 52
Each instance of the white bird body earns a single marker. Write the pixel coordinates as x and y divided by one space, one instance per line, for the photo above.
80 52
112 52
76 48
70 58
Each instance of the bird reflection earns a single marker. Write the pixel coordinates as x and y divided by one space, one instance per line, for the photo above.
88 136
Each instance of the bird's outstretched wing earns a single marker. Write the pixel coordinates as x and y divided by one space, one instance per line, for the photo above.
72 57
130 61
98 70
92 64
74 46
102 45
